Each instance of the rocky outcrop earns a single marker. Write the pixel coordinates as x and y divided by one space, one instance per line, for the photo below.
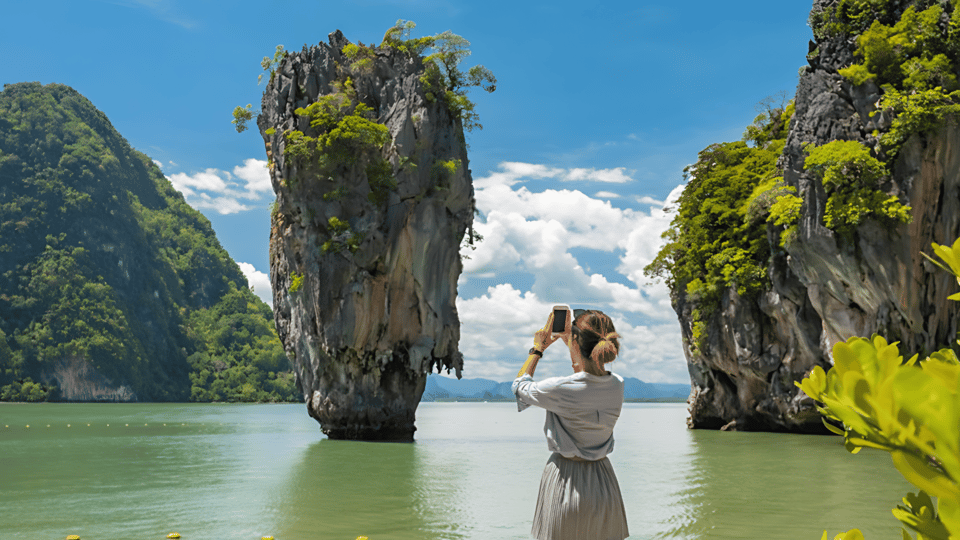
364 273
77 380
826 289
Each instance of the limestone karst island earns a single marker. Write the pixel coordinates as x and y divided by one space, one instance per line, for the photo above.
810 230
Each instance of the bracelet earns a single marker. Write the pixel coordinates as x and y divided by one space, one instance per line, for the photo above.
533 350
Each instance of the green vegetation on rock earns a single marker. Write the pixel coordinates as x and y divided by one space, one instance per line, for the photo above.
103 261
851 178
718 237
443 78
913 58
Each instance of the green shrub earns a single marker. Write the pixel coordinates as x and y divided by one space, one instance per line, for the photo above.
910 409
296 282
910 54
242 115
851 179
271 64
345 132
26 390
916 112
381 180
339 237
785 212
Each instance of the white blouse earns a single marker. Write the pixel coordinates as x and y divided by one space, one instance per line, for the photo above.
581 411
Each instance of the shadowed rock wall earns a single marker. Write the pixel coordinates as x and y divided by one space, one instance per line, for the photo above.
365 325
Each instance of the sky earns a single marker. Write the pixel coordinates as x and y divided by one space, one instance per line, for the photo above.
599 106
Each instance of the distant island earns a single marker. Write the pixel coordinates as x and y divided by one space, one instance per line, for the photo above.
440 388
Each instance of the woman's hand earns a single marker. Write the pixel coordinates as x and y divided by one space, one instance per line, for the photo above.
544 337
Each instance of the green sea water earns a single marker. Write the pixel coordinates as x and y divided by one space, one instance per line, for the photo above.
211 471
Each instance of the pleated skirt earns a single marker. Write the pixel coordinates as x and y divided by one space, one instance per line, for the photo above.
579 500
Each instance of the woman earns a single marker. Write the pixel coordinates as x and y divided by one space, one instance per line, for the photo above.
579 495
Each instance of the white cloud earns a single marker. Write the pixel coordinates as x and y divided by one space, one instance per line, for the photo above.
649 200
256 174
219 190
159 164
511 172
223 205
529 232
259 282
617 175
208 180
606 195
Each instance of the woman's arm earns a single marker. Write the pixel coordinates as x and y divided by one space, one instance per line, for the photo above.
531 364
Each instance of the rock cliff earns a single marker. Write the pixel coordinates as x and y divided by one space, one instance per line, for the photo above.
364 246
825 288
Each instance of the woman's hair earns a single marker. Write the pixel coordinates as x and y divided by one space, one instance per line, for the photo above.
598 340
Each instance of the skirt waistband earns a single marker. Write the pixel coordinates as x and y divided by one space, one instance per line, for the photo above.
578 458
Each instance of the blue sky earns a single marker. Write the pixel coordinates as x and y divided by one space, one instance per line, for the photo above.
599 106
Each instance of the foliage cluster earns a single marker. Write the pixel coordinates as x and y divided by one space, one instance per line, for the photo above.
242 115
341 237
916 112
296 282
853 17
851 179
913 53
345 135
914 59
718 237
239 356
271 64
443 79
102 258
910 409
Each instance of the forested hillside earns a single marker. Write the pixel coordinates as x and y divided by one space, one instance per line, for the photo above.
111 286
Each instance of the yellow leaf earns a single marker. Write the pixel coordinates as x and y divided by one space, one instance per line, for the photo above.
814 384
920 474
949 511
852 534
832 428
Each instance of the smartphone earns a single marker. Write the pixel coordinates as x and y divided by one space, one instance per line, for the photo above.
560 314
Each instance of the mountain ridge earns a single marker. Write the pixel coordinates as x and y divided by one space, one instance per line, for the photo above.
440 388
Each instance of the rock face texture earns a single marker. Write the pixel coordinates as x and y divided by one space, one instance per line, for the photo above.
366 311
825 289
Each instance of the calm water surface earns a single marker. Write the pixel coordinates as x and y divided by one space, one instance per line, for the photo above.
140 471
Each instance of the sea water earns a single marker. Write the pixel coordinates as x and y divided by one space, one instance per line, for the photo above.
220 472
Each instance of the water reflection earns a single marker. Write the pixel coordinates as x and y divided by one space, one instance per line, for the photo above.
753 485
343 489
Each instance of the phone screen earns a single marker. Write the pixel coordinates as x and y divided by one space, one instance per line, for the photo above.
559 321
